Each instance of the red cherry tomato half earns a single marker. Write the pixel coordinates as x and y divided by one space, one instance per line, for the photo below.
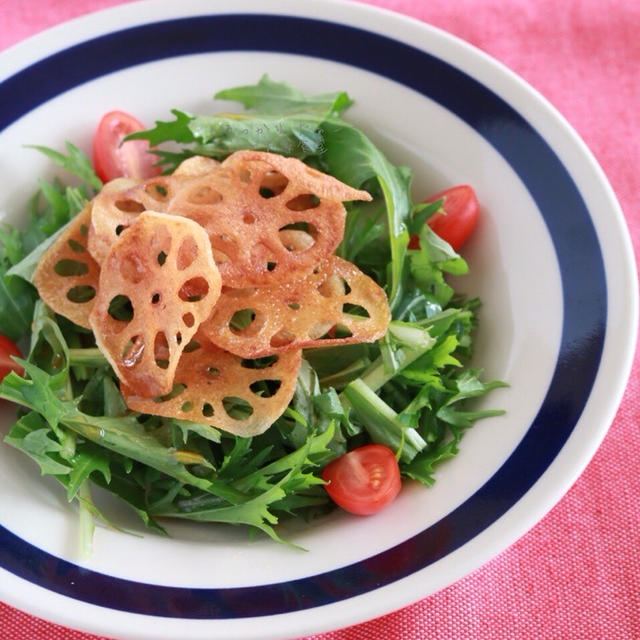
365 480
114 159
8 349
459 219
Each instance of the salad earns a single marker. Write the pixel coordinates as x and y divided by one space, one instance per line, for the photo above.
375 395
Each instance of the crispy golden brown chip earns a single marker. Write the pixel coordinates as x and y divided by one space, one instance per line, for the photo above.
67 276
250 206
157 284
113 212
337 304
270 219
214 387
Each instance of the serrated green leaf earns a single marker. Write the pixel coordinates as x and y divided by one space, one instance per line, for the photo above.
271 97
32 435
84 464
75 162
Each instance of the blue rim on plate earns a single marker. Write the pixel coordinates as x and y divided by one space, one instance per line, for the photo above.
557 197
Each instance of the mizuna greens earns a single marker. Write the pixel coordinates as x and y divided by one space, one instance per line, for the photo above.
407 391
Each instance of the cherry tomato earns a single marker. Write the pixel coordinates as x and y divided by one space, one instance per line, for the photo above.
363 481
8 349
114 159
459 218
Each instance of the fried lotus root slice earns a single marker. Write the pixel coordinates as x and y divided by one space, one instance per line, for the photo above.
212 386
67 276
157 284
337 304
270 219
111 213
122 200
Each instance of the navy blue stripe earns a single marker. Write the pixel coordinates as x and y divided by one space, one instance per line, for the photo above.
569 223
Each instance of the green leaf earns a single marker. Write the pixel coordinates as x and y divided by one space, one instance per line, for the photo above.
75 162
297 135
124 435
26 267
422 212
32 436
257 511
465 419
271 97
11 248
203 430
175 130
125 488
315 448
17 299
429 263
351 157
423 465
85 463
58 205
381 421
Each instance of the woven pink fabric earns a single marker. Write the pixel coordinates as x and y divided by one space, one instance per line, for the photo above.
576 574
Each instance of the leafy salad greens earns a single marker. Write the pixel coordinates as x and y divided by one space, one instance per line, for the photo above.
407 391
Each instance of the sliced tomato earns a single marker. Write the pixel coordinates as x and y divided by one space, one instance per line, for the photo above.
457 220
7 364
113 158
365 480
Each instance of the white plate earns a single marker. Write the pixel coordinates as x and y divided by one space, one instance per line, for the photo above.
551 261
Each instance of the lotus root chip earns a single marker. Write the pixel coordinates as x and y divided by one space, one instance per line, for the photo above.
122 200
336 304
157 284
107 220
250 206
270 219
212 386
67 276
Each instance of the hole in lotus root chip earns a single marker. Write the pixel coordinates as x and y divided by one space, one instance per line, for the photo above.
264 199
194 290
187 253
67 276
245 322
219 256
129 206
161 351
303 202
204 194
336 305
146 312
189 320
132 351
81 294
237 408
121 309
282 338
158 190
273 183
216 388
265 388
263 362
294 239
75 246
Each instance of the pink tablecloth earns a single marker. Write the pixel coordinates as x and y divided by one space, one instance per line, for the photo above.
577 573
